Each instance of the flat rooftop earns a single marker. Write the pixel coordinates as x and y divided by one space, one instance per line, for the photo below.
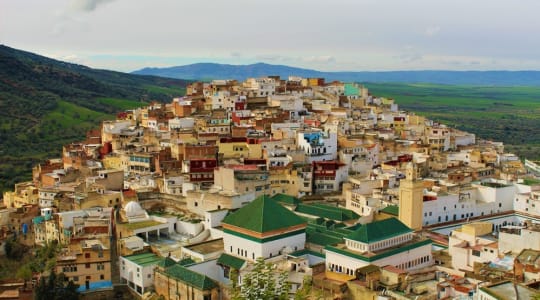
505 290
207 247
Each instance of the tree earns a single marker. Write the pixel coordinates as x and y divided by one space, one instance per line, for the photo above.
24 273
56 287
15 250
262 282
305 290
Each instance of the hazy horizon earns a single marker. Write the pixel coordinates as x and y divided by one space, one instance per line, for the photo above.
343 35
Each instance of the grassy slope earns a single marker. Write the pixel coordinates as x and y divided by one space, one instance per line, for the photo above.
45 104
507 114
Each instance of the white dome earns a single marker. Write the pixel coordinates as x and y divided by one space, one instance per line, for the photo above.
133 209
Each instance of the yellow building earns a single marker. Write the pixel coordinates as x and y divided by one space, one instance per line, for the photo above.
100 198
113 162
411 199
24 193
87 263
239 148
242 179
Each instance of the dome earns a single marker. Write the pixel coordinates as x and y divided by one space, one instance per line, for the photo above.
133 209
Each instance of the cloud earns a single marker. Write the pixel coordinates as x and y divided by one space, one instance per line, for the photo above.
410 57
320 59
432 31
88 5
271 58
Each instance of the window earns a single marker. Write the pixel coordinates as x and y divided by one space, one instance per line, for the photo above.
101 277
87 255
476 253
87 266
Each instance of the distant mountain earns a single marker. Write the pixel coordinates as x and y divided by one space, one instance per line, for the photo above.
223 71
206 71
45 103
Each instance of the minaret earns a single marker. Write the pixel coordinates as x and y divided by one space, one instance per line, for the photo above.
411 200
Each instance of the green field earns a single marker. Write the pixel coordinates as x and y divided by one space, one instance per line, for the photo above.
507 114
171 91
71 115
121 104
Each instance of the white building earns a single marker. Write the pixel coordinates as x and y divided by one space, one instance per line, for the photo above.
472 243
137 271
263 228
181 123
482 199
317 145
381 243
515 238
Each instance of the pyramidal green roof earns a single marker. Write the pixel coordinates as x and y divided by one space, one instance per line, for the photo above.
262 215
379 230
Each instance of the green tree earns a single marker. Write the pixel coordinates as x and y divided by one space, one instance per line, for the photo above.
262 282
304 292
24 273
15 250
56 287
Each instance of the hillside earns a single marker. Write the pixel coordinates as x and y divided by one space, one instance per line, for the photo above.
506 114
45 103
205 71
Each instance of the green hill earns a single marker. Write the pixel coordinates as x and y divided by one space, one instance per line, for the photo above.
45 103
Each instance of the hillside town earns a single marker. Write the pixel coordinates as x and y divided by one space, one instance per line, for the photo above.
341 192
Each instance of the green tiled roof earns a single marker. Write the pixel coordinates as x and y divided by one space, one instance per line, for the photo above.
189 277
380 230
327 211
323 239
286 199
231 261
391 210
262 215
186 261
144 259
166 262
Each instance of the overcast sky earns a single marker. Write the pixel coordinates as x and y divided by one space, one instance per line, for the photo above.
333 35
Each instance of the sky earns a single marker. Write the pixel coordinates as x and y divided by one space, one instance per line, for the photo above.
334 35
